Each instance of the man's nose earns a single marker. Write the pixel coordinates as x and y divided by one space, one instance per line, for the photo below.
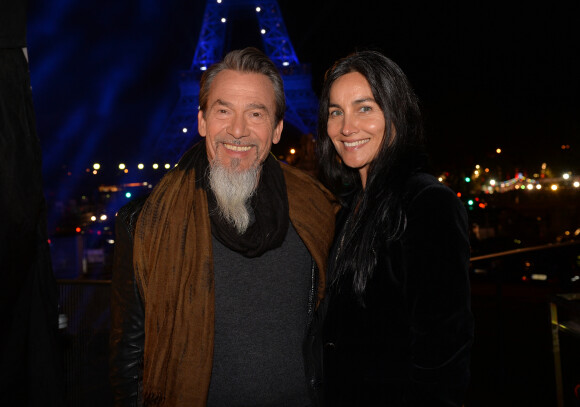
237 127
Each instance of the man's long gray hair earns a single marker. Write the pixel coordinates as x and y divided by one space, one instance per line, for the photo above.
233 191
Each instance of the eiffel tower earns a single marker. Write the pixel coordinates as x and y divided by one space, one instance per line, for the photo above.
215 40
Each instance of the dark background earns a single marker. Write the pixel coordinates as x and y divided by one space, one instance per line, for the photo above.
105 74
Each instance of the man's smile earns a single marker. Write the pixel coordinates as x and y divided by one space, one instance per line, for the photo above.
236 148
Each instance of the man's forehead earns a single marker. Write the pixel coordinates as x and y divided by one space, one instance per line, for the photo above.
247 84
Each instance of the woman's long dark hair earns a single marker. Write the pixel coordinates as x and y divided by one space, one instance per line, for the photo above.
377 210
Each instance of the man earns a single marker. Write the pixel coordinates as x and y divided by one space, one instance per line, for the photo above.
30 364
217 277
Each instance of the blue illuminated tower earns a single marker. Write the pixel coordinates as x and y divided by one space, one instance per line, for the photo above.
215 40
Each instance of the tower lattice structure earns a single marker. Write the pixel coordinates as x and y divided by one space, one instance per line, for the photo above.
301 102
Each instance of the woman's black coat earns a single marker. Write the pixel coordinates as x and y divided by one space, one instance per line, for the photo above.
409 345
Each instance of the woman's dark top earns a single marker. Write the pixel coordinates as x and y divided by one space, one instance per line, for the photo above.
409 345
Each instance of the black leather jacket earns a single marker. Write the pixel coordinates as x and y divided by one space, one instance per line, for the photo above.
127 336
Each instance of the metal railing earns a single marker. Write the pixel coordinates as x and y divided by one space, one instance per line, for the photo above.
520 349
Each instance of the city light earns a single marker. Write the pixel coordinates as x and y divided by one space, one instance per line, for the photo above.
128 195
498 150
103 217
467 179
554 187
93 218
258 9
263 31
492 182
155 166
167 166
96 166
292 151
140 166
223 20
539 186
576 184
566 175
184 130
530 186
121 166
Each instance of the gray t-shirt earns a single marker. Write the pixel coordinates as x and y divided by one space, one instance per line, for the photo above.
260 322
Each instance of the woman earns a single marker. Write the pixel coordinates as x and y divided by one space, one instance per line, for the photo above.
398 328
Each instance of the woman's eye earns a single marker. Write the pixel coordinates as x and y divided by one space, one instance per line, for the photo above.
366 109
335 113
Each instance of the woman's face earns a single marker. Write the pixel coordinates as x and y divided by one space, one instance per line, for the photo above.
356 124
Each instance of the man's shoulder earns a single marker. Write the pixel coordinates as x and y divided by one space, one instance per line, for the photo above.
296 175
129 213
303 186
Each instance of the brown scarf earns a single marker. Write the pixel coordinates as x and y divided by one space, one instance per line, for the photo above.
174 269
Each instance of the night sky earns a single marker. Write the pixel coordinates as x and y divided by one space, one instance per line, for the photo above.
105 74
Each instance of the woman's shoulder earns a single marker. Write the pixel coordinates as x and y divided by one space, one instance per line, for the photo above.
423 188
433 210
420 180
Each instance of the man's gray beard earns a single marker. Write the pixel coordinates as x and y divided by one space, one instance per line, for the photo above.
233 190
